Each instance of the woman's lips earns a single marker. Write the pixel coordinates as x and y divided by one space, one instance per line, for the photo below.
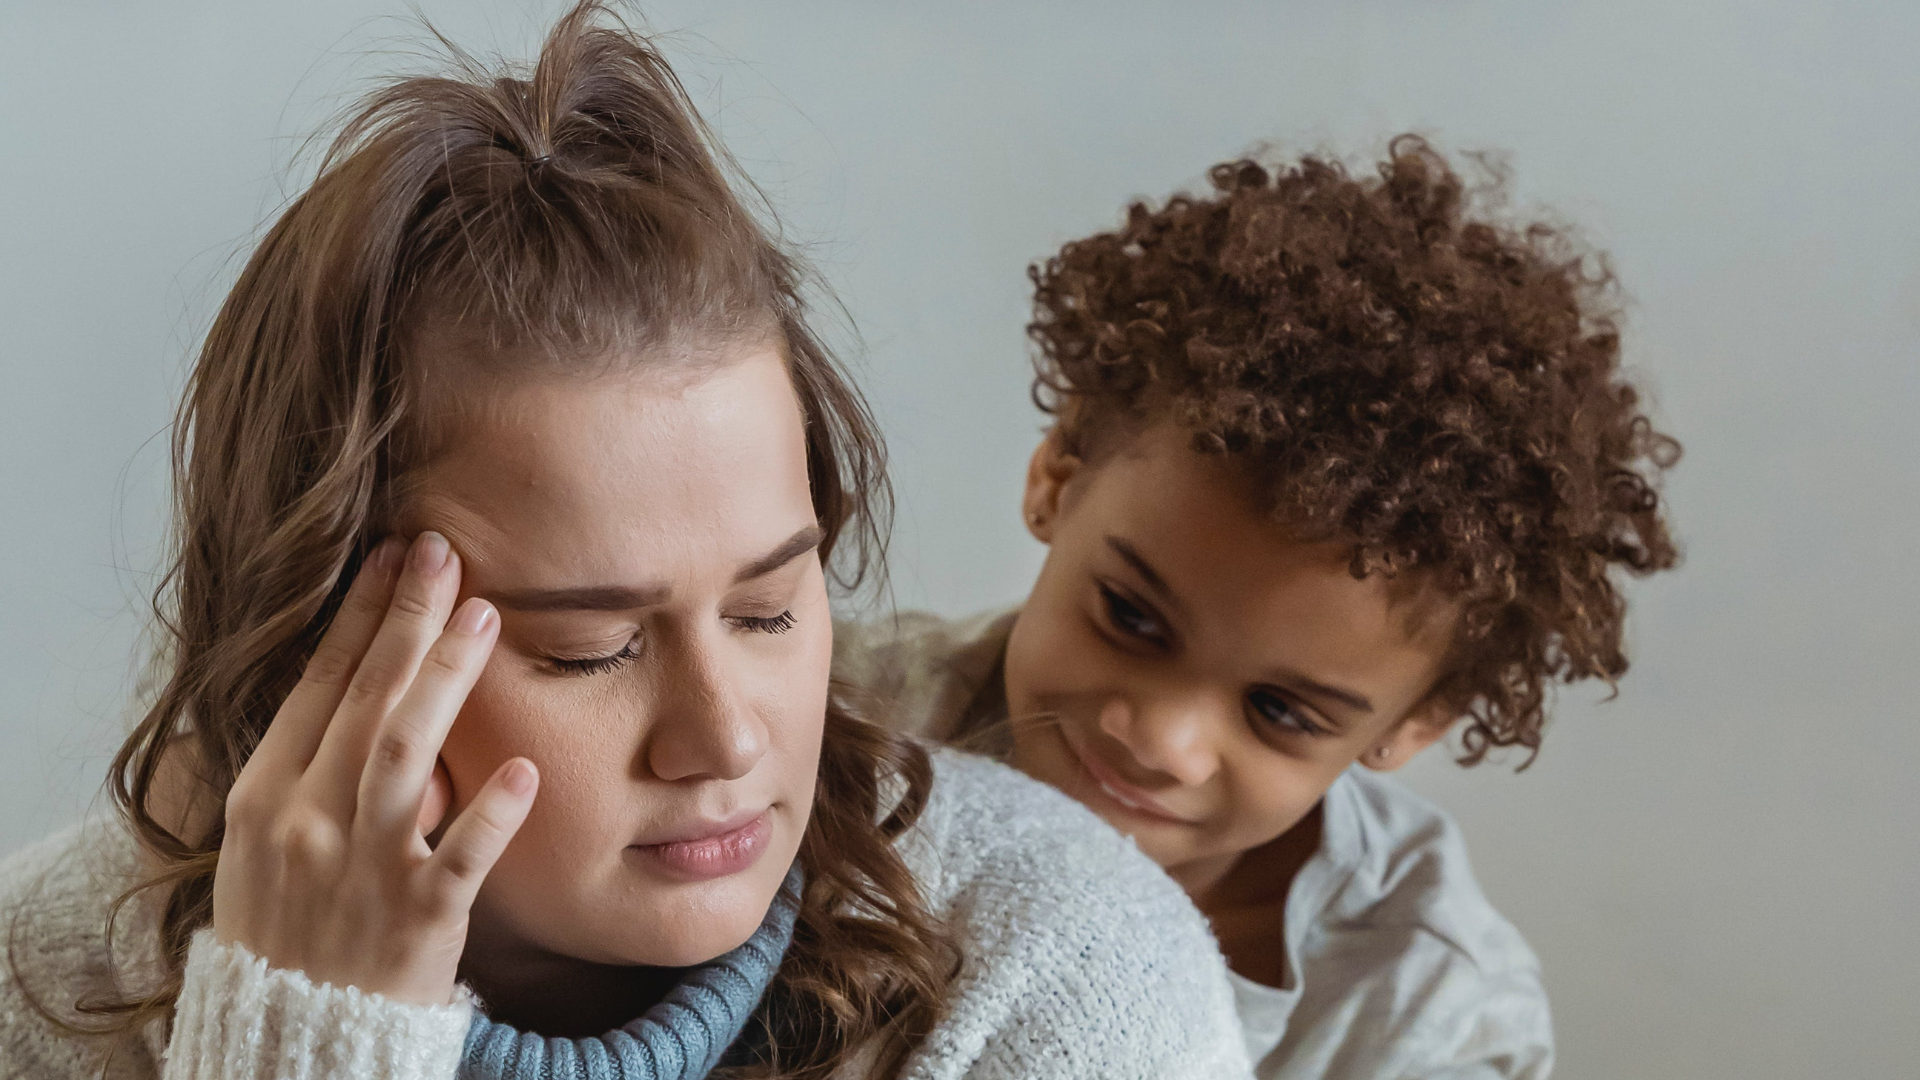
705 851
1122 794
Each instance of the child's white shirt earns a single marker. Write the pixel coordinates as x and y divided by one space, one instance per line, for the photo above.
1397 965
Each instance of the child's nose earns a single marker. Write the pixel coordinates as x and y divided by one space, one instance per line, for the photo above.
1167 737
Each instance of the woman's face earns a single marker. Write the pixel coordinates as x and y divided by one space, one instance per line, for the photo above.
649 540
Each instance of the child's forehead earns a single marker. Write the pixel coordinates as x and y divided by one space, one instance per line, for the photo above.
1157 468
1210 519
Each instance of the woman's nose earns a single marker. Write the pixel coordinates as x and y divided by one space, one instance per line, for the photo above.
1170 738
703 729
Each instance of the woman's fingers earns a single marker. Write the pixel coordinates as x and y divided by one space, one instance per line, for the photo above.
435 801
476 838
406 746
422 598
302 720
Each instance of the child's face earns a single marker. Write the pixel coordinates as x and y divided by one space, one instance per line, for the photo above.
650 543
1210 675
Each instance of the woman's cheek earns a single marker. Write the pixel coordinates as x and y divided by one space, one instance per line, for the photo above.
507 716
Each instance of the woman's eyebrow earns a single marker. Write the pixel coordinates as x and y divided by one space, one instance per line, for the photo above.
582 598
795 546
631 597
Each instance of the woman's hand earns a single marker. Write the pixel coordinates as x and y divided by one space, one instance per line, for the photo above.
325 868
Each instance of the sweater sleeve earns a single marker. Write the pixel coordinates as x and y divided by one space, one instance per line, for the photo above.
238 1019
1083 960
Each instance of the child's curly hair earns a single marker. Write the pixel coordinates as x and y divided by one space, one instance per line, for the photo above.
1435 387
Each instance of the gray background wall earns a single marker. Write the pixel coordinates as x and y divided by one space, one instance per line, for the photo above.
1719 867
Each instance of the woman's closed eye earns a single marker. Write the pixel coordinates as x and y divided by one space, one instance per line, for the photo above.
757 624
1273 712
599 665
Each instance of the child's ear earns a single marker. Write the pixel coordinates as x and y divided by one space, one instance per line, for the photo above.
1048 472
1425 725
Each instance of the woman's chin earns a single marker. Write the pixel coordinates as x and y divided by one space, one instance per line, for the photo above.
683 924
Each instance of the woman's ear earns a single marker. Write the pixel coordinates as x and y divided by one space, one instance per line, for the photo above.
1048 472
1421 728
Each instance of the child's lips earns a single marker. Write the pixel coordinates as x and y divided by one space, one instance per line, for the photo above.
1126 795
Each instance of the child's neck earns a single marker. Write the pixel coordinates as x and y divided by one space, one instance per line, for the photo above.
534 990
1247 901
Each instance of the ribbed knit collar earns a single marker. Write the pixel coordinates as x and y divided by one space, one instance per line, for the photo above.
682 1038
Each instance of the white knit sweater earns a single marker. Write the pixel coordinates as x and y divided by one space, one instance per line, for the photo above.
1082 960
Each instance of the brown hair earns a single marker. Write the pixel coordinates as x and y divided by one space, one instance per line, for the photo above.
1397 370
559 214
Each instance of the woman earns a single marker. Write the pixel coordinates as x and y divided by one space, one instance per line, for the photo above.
510 470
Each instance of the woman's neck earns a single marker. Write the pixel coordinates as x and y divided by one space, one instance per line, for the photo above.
535 990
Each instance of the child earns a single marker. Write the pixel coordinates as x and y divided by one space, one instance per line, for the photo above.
1336 466
510 459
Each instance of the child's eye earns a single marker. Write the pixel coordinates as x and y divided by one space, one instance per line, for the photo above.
778 624
600 665
1130 618
1272 710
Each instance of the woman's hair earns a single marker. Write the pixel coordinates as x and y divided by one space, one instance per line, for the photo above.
557 216
1398 372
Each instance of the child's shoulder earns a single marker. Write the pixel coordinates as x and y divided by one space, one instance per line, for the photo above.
916 671
1410 867
1402 933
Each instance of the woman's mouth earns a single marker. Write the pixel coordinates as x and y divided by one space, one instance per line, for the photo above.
707 850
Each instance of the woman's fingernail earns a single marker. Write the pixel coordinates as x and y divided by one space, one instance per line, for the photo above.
519 778
473 617
430 552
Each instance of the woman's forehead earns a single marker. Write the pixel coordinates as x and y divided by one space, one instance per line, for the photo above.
569 472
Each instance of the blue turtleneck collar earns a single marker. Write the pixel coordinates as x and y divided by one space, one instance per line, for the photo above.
682 1038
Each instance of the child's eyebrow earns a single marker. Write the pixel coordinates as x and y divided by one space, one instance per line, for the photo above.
1316 688
1151 577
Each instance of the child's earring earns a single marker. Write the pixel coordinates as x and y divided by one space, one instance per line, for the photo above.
1382 754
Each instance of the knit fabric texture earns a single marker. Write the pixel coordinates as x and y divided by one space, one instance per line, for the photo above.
682 1038
1082 962
239 1017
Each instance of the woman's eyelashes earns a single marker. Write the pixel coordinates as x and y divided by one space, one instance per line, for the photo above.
777 624
600 665
1271 710
1132 619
